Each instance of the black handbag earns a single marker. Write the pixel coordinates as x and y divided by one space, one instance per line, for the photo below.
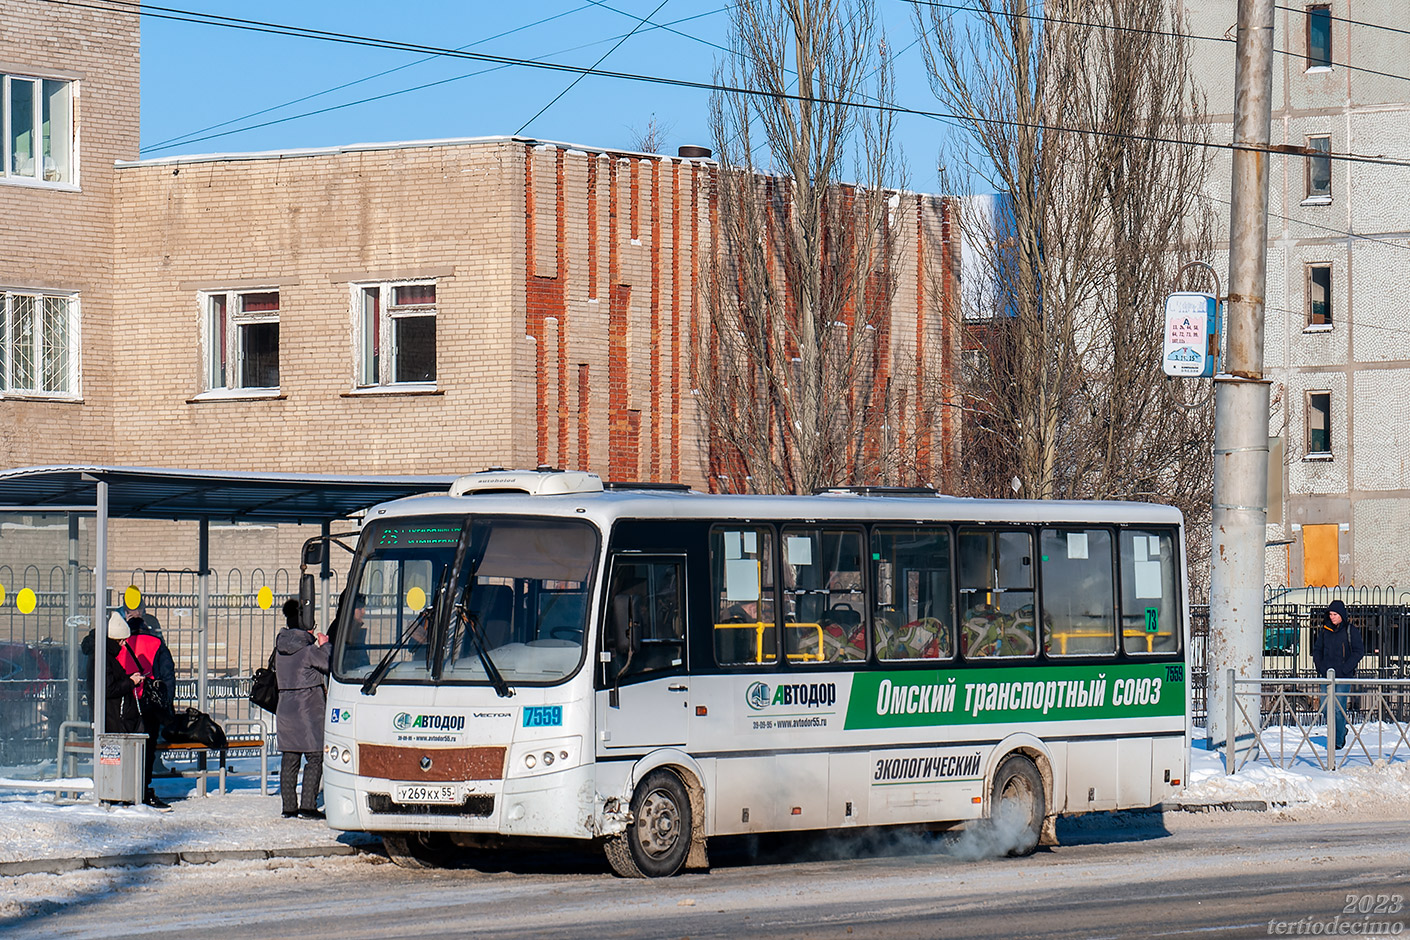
156 700
192 725
264 689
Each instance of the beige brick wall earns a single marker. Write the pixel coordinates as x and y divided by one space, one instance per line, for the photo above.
311 226
564 306
63 240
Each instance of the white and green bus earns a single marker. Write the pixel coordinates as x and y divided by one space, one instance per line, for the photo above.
537 655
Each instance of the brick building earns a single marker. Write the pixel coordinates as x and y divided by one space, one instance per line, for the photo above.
68 107
427 307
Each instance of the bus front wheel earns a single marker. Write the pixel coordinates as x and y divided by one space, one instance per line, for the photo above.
1017 805
657 841
419 849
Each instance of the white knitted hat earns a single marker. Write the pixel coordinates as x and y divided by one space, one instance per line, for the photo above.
117 627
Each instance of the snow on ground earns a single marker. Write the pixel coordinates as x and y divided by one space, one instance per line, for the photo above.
1290 777
40 826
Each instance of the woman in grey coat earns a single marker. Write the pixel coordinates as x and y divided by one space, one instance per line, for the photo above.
300 666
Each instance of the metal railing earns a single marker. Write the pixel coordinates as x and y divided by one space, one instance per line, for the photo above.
1290 615
42 684
1289 713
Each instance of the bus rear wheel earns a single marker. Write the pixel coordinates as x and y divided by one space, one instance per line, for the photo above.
1017 805
657 841
419 850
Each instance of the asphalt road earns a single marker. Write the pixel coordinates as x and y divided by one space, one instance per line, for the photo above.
1242 874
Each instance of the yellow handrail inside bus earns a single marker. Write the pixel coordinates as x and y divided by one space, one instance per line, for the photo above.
1063 636
760 626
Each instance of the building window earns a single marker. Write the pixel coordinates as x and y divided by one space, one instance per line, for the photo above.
38 344
36 115
242 339
1319 36
1319 424
1319 295
1319 168
396 333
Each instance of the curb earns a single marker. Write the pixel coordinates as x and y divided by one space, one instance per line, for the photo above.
58 866
1251 806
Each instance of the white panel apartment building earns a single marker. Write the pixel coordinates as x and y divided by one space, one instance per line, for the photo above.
1337 339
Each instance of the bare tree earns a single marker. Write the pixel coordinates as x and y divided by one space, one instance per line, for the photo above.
652 137
1086 120
787 364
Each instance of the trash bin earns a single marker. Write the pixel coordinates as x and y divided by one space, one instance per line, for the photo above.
120 768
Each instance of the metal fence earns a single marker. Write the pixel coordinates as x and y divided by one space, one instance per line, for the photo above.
42 673
40 667
1290 615
1293 717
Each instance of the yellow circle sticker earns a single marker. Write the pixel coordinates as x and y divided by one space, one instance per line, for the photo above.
26 601
132 597
416 599
265 598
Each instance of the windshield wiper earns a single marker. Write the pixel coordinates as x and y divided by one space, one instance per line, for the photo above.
460 616
385 664
477 636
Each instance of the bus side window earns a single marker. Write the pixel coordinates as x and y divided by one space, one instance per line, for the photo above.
650 592
742 583
913 612
1149 612
996 593
824 610
1079 596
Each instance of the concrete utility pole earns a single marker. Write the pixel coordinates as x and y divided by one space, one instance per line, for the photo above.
1241 398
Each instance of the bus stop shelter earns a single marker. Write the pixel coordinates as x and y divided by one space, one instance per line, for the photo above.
202 496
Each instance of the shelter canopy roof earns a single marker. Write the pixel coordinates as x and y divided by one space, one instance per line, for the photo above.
233 496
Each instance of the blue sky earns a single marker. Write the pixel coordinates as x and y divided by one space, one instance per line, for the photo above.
195 76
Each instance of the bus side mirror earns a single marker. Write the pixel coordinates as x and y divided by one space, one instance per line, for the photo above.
315 550
306 619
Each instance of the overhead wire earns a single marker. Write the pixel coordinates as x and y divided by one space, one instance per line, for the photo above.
188 139
573 84
177 140
352 39
1152 32
1351 22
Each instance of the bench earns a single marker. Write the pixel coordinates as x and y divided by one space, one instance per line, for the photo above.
254 737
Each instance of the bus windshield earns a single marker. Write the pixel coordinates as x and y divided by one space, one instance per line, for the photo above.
518 604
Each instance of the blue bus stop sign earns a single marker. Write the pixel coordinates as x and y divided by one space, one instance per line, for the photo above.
1191 335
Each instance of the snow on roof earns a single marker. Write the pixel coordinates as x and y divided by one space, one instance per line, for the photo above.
236 156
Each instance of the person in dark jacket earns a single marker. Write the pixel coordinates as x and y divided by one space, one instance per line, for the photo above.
157 667
301 664
1337 645
121 714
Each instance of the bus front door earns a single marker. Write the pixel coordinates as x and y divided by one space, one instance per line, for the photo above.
647 699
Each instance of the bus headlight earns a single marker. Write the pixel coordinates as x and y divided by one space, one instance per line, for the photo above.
338 754
553 755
